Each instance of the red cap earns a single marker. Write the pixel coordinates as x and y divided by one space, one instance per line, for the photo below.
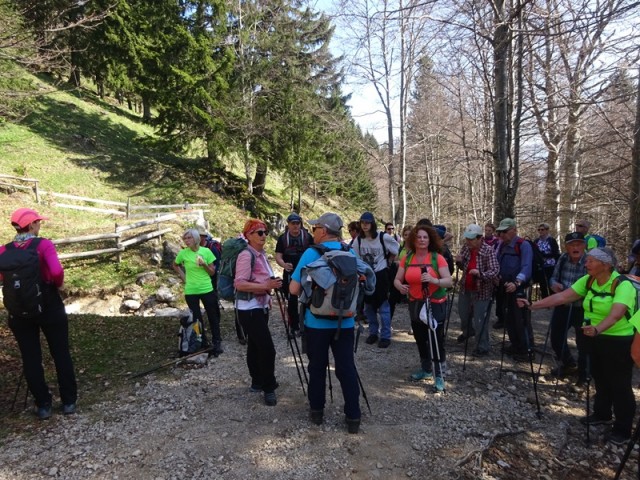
23 217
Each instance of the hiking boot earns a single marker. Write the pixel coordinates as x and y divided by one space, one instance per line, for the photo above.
371 339
270 399
522 357
439 385
217 349
593 419
317 416
384 343
498 325
255 388
617 438
353 424
69 409
563 370
44 412
420 375
462 337
242 341
480 353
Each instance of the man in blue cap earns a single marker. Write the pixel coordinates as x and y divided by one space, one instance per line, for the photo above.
290 247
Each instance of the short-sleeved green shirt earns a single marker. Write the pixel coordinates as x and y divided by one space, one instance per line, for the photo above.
197 279
597 307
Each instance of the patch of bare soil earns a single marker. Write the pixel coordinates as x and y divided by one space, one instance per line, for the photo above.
204 423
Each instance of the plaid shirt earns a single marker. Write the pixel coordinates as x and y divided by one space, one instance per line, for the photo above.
488 266
566 273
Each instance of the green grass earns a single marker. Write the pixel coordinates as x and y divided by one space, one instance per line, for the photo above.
106 352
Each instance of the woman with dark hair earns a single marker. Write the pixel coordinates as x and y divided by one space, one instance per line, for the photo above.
52 321
424 274
377 250
195 266
608 303
254 282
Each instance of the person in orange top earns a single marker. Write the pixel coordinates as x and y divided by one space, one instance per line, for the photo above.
423 274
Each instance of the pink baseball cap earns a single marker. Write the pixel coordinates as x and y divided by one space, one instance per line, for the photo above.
25 216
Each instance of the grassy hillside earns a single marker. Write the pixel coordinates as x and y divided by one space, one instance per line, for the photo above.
76 143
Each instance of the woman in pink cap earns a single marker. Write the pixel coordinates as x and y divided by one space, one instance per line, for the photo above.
41 310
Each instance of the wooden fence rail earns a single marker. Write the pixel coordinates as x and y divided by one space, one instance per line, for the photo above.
186 211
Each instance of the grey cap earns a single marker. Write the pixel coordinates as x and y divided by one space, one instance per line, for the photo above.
604 254
332 221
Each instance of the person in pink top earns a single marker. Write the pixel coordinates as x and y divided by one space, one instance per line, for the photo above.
254 282
52 321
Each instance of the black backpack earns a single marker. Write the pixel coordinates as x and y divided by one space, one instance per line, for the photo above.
22 286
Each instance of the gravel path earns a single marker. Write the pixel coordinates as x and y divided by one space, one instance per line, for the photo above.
204 423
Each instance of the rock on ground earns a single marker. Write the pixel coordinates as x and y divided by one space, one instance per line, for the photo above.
204 423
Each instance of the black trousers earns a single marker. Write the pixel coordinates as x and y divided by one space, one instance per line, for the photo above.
54 324
261 353
612 369
515 320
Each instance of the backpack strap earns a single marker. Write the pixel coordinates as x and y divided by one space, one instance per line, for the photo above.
614 284
35 241
385 254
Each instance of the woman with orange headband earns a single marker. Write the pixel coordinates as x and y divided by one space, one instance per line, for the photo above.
254 282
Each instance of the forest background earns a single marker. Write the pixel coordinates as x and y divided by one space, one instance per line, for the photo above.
492 109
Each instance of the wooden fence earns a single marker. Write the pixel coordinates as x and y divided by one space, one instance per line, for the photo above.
119 209
118 237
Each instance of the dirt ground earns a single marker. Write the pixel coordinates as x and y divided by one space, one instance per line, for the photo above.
202 423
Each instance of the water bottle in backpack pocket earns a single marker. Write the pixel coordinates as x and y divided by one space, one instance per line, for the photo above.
189 335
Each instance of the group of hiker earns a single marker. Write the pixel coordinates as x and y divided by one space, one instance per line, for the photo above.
330 283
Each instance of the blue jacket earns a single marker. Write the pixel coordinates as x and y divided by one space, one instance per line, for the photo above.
516 260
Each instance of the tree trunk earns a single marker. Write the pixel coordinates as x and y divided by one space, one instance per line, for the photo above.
260 179
503 198
634 204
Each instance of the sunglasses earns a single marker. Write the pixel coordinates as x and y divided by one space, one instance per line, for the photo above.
541 229
390 228
261 232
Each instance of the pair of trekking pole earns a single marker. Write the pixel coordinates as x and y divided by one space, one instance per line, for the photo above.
483 328
432 330
297 354
528 340
293 341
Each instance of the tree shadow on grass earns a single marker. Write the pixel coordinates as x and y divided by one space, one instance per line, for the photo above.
95 141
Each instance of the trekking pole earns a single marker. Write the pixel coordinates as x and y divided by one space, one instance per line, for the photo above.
483 328
450 302
544 348
291 342
174 362
564 345
504 337
587 374
634 439
529 341
466 339
15 395
433 337
364 394
330 384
